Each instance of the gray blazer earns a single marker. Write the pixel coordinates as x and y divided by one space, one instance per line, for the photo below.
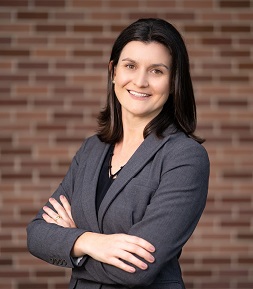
159 195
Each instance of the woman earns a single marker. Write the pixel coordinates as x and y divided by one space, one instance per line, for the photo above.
135 191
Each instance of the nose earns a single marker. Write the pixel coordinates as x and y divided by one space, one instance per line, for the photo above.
141 79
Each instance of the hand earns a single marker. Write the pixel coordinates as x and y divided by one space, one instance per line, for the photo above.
62 216
114 249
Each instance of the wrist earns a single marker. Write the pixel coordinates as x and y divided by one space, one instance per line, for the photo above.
81 245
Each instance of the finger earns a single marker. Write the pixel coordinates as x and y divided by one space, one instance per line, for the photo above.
59 209
66 205
51 217
130 258
121 265
139 251
140 242
51 213
48 219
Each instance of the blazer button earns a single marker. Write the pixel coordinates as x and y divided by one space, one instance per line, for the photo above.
64 263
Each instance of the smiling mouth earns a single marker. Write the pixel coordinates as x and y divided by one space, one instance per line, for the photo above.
138 94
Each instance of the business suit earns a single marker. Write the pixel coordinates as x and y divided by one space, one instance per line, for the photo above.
159 195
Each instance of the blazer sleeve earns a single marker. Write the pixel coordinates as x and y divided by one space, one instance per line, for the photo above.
50 242
170 218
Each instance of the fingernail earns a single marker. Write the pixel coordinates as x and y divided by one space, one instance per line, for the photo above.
144 266
62 197
152 248
132 270
151 259
51 199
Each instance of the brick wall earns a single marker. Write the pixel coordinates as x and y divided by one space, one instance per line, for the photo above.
53 61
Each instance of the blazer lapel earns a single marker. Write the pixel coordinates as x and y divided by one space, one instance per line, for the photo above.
138 160
98 152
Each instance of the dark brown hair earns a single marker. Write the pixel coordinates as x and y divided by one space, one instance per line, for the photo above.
180 108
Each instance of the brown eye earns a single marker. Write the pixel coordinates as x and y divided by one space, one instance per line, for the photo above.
157 71
130 66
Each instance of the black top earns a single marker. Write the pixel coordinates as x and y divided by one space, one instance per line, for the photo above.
104 180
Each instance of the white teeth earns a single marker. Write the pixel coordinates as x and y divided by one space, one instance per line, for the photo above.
138 94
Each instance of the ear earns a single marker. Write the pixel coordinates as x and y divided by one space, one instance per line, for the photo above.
112 69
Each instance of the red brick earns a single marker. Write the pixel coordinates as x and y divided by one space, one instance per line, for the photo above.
5 262
32 65
16 151
50 3
12 53
50 78
216 261
198 4
234 4
235 28
49 103
69 90
32 40
235 53
246 66
14 274
63 116
17 28
51 175
161 3
198 28
213 285
66 40
32 116
5 40
13 3
123 4
87 28
16 176
72 139
87 3
50 274
50 28
198 274
233 103
32 15
31 90
53 127
217 41
69 15
245 285
70 65
32 285
13 102
12 78
45 53
245 236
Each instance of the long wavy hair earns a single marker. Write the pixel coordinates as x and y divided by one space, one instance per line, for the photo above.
180 108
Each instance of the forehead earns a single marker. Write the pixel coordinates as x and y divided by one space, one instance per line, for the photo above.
149 52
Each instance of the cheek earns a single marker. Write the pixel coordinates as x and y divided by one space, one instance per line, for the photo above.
120 81
163 88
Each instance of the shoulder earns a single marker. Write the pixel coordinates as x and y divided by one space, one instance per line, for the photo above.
182 149
90 145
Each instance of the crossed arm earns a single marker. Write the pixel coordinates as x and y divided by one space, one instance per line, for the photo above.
113 249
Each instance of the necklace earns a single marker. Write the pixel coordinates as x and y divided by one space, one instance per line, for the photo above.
111 175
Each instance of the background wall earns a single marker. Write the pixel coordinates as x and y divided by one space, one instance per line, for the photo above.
53 65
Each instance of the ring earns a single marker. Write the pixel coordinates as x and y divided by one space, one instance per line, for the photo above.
57 218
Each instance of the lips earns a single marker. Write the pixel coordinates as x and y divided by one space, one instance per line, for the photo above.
138 94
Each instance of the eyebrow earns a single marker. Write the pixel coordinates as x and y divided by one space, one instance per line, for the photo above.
153 65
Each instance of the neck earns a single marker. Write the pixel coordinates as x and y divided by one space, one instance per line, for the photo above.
133 128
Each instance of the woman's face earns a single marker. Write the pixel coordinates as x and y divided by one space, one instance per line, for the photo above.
142 79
